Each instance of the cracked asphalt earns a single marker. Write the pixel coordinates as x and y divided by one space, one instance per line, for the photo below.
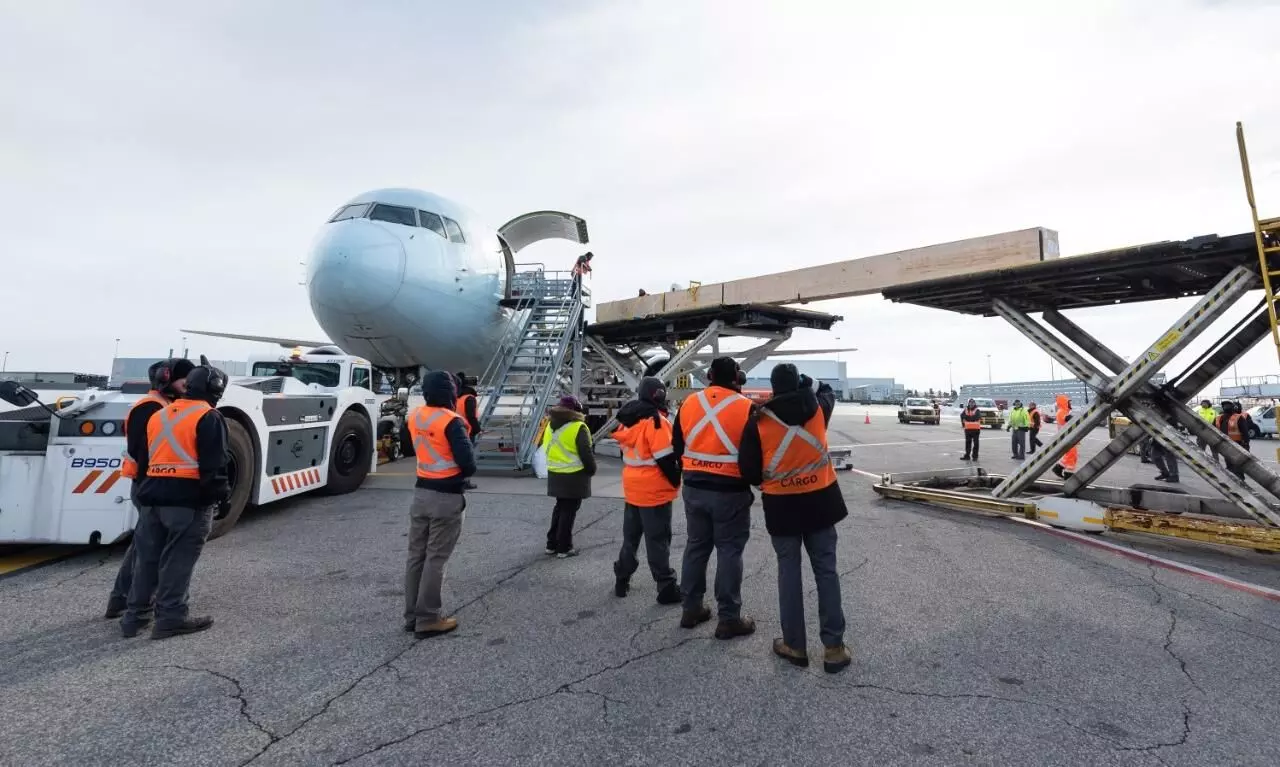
976 641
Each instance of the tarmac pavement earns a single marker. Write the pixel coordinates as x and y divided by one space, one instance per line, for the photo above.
976 641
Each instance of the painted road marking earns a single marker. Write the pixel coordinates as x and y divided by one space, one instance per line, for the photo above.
11 564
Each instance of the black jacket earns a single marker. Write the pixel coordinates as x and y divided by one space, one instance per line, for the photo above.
637 410
135 435
965 415
473 418
213 486
788 515
702 479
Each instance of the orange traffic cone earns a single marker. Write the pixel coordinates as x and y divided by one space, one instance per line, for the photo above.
867 419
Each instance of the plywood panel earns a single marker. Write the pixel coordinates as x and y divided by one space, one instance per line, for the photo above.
855 277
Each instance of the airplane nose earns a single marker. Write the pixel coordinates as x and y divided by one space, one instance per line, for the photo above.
355 266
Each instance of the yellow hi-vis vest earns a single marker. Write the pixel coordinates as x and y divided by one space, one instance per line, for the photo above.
562 448
1207 413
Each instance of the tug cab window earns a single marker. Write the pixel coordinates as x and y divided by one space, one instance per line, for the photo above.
350 211
455 231
393 214
433 222
360 377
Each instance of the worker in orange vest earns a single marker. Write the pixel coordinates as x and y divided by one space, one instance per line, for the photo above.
186 479
444 462
717 500
1234 422
971 420
1066 466
168 379
784 451
650 483
466 407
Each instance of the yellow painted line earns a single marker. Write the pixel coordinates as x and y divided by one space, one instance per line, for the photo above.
394 474
27 558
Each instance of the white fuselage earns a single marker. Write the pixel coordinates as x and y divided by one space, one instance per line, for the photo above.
422 289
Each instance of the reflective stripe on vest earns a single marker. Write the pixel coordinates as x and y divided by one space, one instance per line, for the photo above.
1208 414
973 425
782 480
171 442
129 467
631 456
562 457
728 459
1233 428
432 465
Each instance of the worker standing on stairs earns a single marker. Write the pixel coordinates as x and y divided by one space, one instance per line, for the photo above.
650 484
1018 424
717 500
971 420
444 461
168 379
570 466
581 268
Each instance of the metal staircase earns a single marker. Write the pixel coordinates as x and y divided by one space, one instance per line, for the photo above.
1267 233
528 371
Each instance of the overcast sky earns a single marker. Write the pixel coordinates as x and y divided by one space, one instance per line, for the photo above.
166 165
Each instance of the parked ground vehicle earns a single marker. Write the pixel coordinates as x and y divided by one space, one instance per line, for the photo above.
988 413
917 409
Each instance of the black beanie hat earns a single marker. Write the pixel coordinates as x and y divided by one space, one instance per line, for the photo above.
724 371
784 378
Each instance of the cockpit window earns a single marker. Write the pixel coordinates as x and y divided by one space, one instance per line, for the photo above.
394 214
432 221
350 211
455 231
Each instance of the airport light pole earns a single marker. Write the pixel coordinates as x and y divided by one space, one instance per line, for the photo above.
951 383
5 365
989 382
116 353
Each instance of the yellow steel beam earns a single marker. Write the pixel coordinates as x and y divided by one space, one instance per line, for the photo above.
1195 529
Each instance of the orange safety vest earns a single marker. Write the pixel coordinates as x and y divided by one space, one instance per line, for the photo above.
795 457
643 483
712 422
972 425
462 410
435 457
129 467
1069 459
171 440
1233 427
1060 416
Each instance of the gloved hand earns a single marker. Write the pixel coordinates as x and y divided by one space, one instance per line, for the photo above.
805 382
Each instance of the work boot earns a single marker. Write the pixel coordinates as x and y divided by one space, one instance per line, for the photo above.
789 654
567 554
470 485
1057 469
966 457
735 627
115 608
836 659
669 594
436 628
408 627
690 618
621 586
188 626
549 551
130 630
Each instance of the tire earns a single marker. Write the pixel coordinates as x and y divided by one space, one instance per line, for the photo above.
241 469
350 453
1255 432
387 428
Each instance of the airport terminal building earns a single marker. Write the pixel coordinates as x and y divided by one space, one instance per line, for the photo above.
834 373
1040 392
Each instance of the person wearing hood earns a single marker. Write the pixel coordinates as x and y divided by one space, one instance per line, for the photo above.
1019 423
168 379
186 478
971 420
785 453
717 500
466 407
650 483
445 461
1034 421
570 467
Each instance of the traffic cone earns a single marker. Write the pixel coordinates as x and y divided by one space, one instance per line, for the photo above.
867 419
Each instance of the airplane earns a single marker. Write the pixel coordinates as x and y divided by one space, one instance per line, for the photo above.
410 280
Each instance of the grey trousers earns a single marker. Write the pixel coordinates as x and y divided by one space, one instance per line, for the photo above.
168 541
653 525
435 522
821 545
1164 460
124 576
720 521
1018 441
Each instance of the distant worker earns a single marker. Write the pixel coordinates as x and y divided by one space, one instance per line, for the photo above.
581 267
971 420
1034 422
717 500
1019 423
1209 415
785 452
168 381
186 479
570 466
1066 466
466 407
1234 423
444 462
1166 462
650 484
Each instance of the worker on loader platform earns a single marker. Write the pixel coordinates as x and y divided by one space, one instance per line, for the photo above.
717 500
168 379
186 479
971 420
785 452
